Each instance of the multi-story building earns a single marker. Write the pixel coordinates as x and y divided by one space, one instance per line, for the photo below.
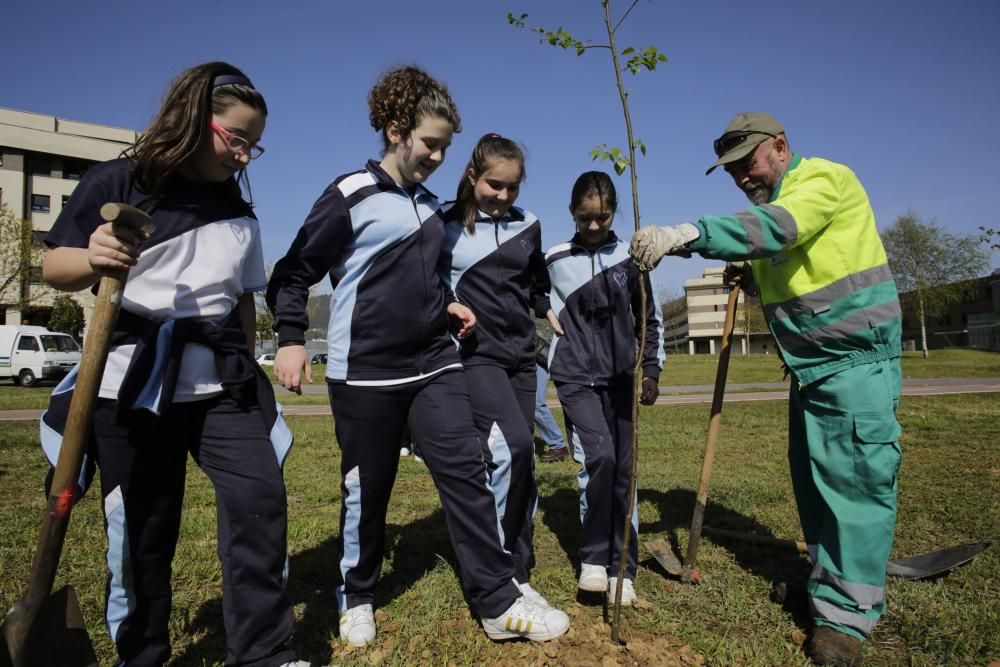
694 321
973 320
42 158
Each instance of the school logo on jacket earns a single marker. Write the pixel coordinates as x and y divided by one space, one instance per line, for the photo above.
621 277
526 244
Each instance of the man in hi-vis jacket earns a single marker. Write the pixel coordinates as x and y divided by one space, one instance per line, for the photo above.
832 306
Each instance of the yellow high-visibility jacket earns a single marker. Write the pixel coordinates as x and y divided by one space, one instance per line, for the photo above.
829 296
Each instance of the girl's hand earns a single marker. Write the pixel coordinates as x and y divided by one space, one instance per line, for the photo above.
463 318
554 322
113 248
289 362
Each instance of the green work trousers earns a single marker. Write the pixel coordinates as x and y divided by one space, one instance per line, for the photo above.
843 449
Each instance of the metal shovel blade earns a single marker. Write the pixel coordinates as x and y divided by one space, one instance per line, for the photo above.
664 555
58 637
934 563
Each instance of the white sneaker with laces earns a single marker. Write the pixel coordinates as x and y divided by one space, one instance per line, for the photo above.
297 663
534 597
527 621
628 591
357 625
593 578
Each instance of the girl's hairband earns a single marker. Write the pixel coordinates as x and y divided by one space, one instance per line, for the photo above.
227 79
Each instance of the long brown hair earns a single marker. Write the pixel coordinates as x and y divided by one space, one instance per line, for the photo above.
405 94
490 149
183 121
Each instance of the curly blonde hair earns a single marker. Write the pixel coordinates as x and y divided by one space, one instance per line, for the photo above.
405 94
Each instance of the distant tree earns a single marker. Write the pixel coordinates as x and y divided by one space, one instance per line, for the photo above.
18 254
931 266
67 316
990 237
750 319
265 324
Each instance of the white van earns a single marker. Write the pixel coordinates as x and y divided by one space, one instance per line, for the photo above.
29 354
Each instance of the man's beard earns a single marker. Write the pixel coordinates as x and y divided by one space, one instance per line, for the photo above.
762 191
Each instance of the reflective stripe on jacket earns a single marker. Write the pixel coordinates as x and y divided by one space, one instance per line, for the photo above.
826 287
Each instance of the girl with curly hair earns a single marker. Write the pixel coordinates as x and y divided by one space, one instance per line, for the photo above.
391 362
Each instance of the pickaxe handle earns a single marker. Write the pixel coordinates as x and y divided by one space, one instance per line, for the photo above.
18 625
690 573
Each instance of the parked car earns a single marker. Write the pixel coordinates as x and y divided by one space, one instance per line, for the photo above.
319 358
29 354
266 360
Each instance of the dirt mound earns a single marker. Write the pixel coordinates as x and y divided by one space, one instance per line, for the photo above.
588 642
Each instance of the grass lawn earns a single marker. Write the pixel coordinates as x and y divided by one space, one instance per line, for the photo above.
948 490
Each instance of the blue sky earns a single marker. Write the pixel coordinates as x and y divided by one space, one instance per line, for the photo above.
905 92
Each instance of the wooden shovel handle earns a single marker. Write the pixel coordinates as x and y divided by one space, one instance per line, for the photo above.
62 493
713 430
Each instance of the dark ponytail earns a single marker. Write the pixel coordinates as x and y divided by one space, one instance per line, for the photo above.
490 148
594 184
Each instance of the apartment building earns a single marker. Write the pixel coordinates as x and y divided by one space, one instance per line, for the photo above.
694 322
42 158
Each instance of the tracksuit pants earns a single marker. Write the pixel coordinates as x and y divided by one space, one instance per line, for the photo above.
844 455
143 461
369 423
503 403
544 421
602 444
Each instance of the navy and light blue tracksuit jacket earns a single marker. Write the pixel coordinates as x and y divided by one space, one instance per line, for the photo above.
595 296
380 245
499 272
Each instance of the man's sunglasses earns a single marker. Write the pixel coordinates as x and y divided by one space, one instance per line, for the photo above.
731 140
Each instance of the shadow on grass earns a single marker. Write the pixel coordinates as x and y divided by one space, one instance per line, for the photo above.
413 549
674 508
773 564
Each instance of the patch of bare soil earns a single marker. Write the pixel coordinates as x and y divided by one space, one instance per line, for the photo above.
587 642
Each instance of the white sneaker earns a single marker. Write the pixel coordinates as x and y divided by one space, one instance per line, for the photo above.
628 591
593 578
357 625
404 451
533 596
528 621
297 663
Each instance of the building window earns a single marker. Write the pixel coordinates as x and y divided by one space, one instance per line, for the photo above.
1 159
39 238
74 169
40 203
40 166
35 275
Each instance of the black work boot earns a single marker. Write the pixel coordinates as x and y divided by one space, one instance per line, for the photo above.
552 455
826 646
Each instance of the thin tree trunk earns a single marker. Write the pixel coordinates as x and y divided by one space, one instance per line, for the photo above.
923 325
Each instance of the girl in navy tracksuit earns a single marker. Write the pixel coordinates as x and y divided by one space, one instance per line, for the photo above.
595 315
391 362
179 376
493 261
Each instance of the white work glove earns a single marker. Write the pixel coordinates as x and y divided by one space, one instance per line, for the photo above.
652 242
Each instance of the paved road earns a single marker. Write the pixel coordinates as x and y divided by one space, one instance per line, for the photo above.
668 395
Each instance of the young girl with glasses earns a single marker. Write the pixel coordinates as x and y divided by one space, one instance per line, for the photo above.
180 376
596 311
391 362
494 263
